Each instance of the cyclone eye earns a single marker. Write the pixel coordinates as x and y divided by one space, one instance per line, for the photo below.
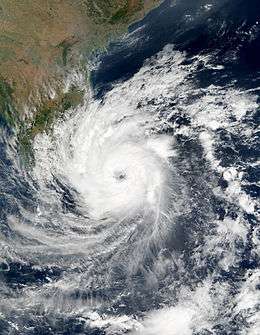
119 175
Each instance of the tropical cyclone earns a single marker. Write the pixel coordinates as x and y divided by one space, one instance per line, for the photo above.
119 169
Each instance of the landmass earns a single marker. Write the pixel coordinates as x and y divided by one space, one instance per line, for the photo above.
41 43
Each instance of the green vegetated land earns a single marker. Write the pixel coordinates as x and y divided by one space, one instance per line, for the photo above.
41 42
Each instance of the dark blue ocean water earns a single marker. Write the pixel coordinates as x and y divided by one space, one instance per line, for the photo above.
226 28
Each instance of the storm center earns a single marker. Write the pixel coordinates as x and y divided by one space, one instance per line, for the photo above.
119 175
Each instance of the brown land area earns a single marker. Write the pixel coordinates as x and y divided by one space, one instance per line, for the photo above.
41 39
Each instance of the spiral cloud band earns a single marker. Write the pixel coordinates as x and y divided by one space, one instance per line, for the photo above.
132 195
118 166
